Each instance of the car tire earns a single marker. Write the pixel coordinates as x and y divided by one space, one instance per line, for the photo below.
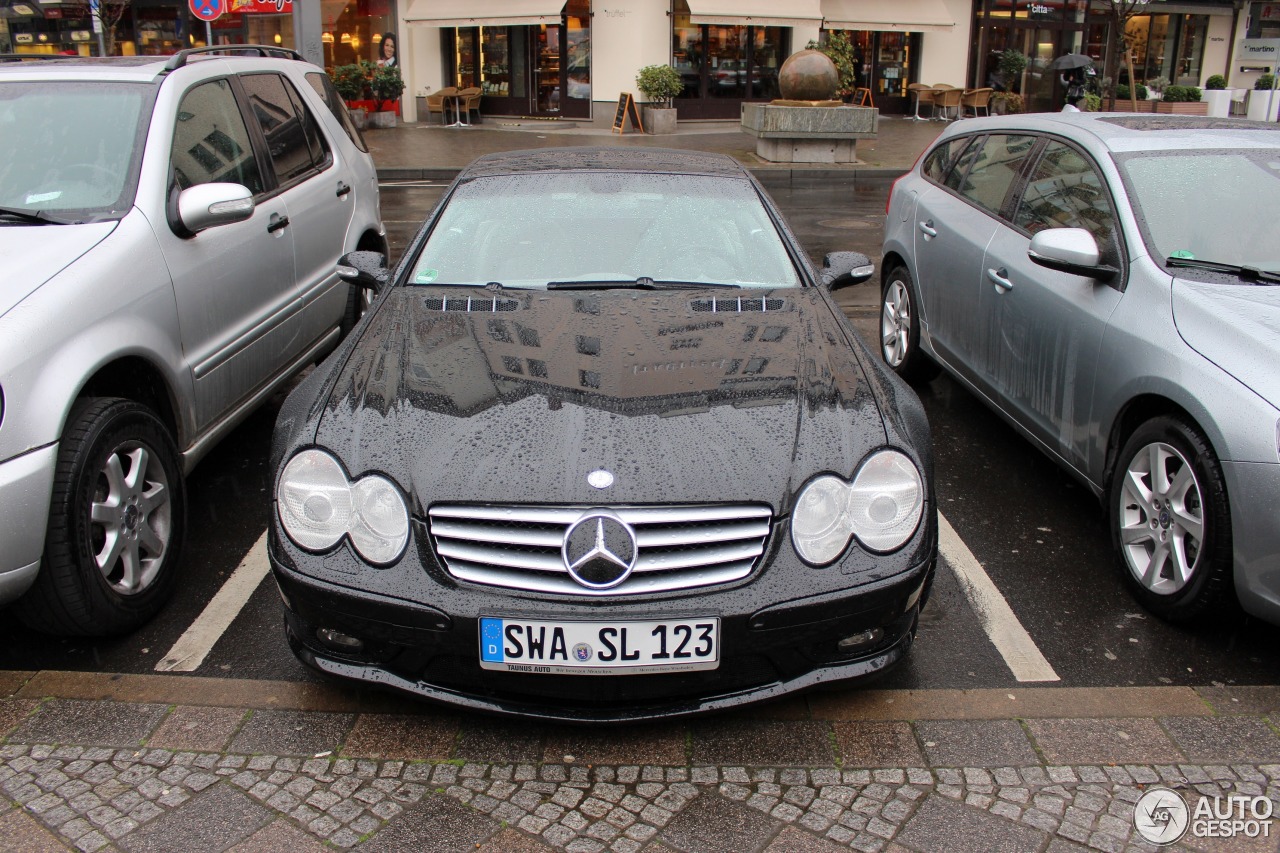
117 521
1171 521
900 331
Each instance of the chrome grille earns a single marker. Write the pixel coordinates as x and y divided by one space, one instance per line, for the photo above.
678 547
737 305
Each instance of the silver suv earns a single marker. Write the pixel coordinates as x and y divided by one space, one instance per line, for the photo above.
170 229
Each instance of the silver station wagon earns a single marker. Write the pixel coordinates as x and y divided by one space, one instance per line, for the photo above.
1110 285
169 228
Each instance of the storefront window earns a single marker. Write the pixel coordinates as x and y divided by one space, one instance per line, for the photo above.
1264 21
1168 46
352 31
578 21
722 65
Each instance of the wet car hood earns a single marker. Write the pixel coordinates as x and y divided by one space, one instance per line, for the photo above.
1236 326
33 254
682 399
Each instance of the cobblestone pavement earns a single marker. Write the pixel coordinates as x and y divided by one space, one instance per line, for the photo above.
868 770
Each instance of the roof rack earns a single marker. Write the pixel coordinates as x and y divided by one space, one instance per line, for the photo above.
22 57
179 59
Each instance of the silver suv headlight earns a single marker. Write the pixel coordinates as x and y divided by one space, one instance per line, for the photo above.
881 507
318 506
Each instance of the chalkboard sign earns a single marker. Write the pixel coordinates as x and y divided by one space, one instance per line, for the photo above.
627 107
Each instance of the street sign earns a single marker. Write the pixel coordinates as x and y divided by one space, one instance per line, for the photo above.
207 10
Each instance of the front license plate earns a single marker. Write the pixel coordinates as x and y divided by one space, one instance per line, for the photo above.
599 648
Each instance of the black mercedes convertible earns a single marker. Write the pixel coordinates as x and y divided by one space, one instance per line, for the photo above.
602 449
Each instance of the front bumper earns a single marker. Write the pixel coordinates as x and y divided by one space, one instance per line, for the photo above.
26 484
1254 488
768 648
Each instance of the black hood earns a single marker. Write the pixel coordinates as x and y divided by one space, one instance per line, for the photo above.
685 396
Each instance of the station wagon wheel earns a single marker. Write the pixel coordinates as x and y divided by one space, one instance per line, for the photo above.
116 523
900 329
1170 520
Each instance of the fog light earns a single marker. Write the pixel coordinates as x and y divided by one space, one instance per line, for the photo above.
866 638
338 640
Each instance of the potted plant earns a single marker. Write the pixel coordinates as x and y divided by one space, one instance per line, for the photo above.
1157 85
659 84
1183 101
1006 103
352 84
1217 96
1011 64
1264 100
1125 102
386 85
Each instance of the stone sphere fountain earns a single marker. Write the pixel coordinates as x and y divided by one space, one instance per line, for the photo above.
808 124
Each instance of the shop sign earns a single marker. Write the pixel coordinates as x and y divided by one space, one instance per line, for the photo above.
262 7
81 35
1266 11
1259 50
24 38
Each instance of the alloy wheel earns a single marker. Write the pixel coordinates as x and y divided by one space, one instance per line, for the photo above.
1161 519
895 323
131 519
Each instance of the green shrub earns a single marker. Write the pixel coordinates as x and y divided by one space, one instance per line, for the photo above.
1011 64
1092 102
1181 94
1009 102
386 85
1266 81
659 84
840 50
352 81
1122 92
1217 81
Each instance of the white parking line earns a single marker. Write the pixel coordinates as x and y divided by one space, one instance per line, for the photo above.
1013 642
195 644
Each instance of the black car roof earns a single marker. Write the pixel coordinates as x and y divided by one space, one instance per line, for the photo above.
656 160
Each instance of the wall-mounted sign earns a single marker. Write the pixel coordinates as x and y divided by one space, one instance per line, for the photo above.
261 7
81 35
24 38
1258 50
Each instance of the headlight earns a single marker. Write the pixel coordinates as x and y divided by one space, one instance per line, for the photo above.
882 507
318 505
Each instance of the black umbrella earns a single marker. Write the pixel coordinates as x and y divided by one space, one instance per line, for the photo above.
1071 60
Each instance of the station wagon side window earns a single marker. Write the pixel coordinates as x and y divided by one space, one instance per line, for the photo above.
296 145
988 170
211 141
937 164
324 87
1066 191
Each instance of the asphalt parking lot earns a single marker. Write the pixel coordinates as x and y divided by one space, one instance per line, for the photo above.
1038 703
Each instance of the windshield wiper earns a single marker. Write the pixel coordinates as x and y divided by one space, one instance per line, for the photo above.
642 283
1245 272
35 217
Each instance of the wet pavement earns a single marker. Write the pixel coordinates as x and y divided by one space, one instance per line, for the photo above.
116 762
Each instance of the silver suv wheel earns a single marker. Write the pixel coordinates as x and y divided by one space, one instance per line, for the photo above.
131 518
1161 517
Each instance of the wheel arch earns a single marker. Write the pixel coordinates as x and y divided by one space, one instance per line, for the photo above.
133 377
890 261
372 241
1134 414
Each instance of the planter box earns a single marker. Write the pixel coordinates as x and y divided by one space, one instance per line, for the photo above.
658 120
382 119
1219 101
359 117
1182 108
1259 109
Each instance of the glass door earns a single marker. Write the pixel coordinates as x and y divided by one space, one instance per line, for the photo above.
549 90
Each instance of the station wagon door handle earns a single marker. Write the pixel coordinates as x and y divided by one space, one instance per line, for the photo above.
928 229
1000 278
343 189
277 222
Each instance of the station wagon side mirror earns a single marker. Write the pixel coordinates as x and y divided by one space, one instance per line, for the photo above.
1070 250
210 205
365 269
841 269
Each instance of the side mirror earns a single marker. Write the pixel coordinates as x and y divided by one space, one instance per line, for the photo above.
209 205
365 269
841 269
1070 250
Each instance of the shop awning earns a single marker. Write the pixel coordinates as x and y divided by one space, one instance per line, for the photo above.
483 13
905 16
760 13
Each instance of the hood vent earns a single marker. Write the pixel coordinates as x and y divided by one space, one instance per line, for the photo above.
738 305
471 305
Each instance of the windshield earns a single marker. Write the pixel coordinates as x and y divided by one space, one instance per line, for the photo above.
605 227
69 148
1208 205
